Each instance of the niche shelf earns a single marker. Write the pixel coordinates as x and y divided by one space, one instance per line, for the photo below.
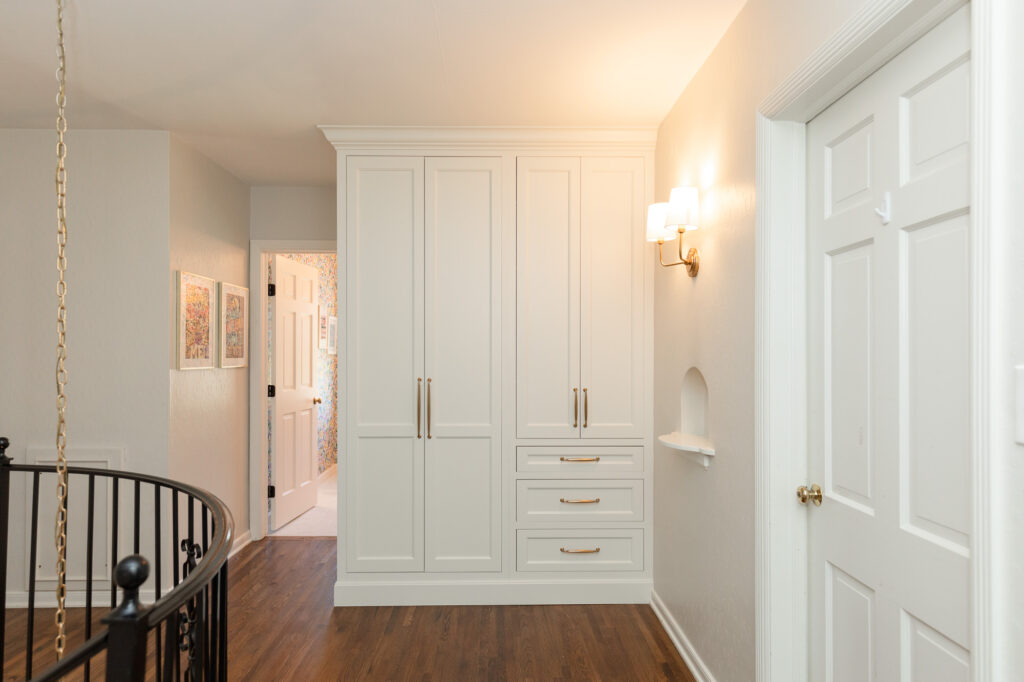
691 438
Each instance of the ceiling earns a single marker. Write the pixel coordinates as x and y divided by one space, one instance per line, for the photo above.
246 83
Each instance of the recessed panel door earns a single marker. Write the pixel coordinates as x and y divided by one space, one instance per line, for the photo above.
383 510
463 352
890 390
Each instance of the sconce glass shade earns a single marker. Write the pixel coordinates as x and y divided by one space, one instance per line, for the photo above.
683 209
656 230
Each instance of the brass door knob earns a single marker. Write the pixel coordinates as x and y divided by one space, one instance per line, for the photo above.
812 494
317 401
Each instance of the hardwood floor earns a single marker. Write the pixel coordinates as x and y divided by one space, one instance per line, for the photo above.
282 626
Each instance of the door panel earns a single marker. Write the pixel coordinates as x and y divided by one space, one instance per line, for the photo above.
889 342
384 463
294 446
548 297
463 363
611 294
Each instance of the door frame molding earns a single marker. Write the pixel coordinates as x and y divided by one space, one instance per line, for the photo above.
259 250
870 39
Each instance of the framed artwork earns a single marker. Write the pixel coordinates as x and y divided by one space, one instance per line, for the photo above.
197 306
323 331
332 335
234 325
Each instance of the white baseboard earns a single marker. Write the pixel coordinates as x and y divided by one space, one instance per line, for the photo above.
488 592
682 642
18 599
240 542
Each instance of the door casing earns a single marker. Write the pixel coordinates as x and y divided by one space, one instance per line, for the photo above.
871 38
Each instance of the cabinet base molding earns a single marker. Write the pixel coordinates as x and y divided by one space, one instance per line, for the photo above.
493 592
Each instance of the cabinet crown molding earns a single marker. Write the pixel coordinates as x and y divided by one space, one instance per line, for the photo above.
486 137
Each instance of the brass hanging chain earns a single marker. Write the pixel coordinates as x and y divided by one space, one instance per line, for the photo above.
61 521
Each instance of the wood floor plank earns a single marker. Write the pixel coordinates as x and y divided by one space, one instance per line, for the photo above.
282 626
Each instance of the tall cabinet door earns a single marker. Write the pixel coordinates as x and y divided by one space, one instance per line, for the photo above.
548 396
611 295
384 462
463 352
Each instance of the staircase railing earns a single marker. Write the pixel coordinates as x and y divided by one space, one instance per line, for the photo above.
181 635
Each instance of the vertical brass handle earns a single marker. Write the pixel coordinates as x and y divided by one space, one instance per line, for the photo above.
419 407
428 408
575 408
586 408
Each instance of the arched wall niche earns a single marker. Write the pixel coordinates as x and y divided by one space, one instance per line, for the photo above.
693 404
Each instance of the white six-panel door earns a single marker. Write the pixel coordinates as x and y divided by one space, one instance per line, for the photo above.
293 413
384 289
463 352
611 291
549 399
889 372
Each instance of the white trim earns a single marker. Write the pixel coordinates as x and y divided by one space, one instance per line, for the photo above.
240 542
327 472
486 592
484 137
872 37
697 667
258 249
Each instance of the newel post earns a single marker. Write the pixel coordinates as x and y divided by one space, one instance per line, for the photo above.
5 508
126 645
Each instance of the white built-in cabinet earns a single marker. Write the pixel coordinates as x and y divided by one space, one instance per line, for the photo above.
579 286
486 275
422 471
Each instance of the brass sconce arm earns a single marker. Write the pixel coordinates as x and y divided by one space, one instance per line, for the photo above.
691 260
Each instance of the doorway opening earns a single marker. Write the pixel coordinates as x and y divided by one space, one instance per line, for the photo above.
294 395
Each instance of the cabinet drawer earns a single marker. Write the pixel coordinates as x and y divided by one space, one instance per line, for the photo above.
579 461
584 500
580 550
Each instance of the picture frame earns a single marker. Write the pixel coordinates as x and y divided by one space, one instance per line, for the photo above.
234 325
197 321
322 327
332 335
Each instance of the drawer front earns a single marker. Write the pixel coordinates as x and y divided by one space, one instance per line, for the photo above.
558 501
580 550
579 461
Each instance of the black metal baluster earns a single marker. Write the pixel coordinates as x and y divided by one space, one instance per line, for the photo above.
126 648
88 566
33 546
156 552
135 538
191 519
5 504
116 482
174 534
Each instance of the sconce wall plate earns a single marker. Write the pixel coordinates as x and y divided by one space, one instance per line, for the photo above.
691 261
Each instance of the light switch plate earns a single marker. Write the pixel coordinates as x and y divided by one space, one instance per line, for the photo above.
1019 428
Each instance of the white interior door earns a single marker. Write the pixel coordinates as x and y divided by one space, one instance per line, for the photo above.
548 397
293 412
889 372
463 362
611 296
383 509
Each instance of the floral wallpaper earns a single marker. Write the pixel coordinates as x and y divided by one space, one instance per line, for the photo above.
327 364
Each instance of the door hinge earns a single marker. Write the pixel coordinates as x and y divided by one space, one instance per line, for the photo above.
271 391
271 491
271 289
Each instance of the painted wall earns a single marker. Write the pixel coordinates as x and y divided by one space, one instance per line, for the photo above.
209 408
117 323
293 212
326 265
704 521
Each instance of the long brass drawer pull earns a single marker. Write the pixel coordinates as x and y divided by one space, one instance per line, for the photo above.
575 408
419 407
594 500
586 408
428 408
580 459
580 551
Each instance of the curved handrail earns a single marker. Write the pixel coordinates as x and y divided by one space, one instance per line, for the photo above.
214 555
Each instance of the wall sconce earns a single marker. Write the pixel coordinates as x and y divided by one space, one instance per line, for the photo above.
668 220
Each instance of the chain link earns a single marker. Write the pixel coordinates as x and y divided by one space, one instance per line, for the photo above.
61 521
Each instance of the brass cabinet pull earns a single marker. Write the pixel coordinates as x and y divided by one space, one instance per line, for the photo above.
579 459
812 494
428 408
581 501
419 407
575 408
580 551
317 401
586 408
